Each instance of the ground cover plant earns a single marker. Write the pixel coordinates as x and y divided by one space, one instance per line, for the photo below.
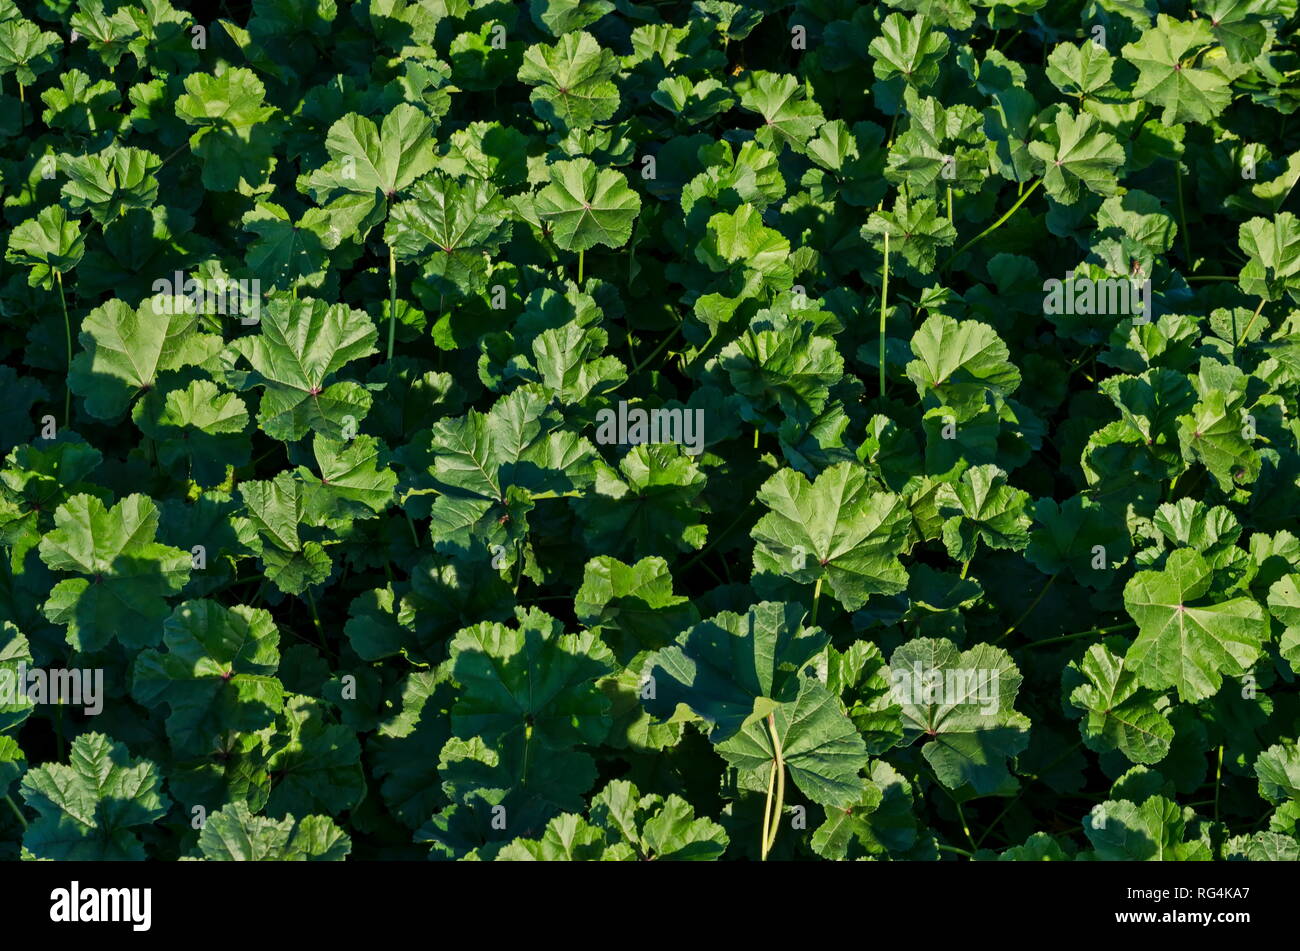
608 430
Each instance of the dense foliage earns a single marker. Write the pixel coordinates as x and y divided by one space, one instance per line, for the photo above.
601 429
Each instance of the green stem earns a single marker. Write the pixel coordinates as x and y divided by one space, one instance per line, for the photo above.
1173 485
315 619
67 336
1071 637
953 848
779 767
767 813
949 204
415 536
392 301
884 295
1029 610
58 731
18 812
1182 213
581 258
817 595
965 567
964 827
657 350
1208 277
1253 317
996 225
1218 776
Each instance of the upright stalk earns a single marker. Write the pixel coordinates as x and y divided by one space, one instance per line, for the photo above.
392 301
1218 780
67 336
884 296
581 260
817 594
1182 214
772 826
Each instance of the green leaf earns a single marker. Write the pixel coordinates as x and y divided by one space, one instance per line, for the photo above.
916 230
1153 831
573 79
234 834
734 669
234 139
50 243
1118 713
654 827
26 50
982 507
368 167
960 363
1273 247
89 809
1284 605
315 766
1079 536
532 680
111 183
1185 645
632 607
15 661
126 575
284 253
790 116
273 511
217 675
199 426
961 703
1278 770
1167 76
1078 152
303 344
819 746
650 506
124 351
1083 70
585 206
908 49
352 484
451 227
839 528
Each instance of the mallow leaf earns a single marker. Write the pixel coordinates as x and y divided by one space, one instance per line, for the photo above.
586 206
234 834
961 705
216 676
125 576
125 350
732 670
531 680
302 346
1183 644
89 809
839 528
819 746
1117 712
